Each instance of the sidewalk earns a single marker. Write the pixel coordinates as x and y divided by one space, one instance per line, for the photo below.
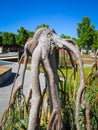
5 89
9 55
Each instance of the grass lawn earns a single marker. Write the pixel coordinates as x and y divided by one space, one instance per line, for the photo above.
69 71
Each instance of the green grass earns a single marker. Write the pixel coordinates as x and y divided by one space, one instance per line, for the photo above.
87 70
69 71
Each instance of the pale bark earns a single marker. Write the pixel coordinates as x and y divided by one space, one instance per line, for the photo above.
29 47
16 77
54 95
41 51
62 43
36 92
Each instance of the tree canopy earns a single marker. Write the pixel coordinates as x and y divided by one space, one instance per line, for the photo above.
0 38
8 38
85 33
22 36
95 42
42 25
64 36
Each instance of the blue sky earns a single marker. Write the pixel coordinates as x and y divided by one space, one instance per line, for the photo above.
62 15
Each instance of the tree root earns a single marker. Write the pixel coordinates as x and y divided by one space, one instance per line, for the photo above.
54 121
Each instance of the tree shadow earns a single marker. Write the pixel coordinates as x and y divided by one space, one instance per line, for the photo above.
9 81
5 62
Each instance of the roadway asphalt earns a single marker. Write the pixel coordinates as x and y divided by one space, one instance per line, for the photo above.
5 89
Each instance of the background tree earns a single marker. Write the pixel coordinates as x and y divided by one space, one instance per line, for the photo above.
5 38
30 33
85 33
42 25
64 36
8 38
11 39
22 36
95 42
75 39
1 38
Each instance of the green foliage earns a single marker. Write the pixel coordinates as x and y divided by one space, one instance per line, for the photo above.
75 39
16 117
5 38
30 33
95 42
42 25
68 103
22 36
11 39
91 92
0 38
64 36
8 38
85 32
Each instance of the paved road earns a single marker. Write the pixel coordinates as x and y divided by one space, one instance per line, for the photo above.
5 89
